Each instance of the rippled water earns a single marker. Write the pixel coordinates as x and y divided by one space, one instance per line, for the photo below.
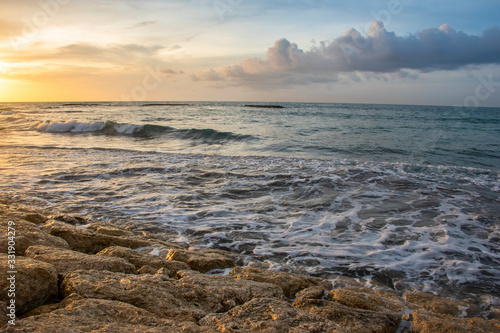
405 195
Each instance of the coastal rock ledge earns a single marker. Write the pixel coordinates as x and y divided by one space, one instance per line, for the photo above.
75 276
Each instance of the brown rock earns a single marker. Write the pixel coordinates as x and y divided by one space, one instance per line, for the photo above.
190 298
269 315
109 229
353 320
437 304
88 241
35 283
426 322
27 234
52 307
148 270
66 261
368 299
203 261
36 218
3 314
140 259
96 315
290 283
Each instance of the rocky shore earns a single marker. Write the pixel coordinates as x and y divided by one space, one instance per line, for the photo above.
72 275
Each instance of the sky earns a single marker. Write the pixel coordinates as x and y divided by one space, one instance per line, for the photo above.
388 52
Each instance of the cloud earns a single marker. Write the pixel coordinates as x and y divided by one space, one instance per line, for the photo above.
141 24
379 52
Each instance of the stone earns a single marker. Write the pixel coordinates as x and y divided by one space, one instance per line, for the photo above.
437 304
190 298
203 261
88 241
3 314
290 283
149 270
36 218
52 307
96 315
66 261
269 315
35 283
353 320
109 229
27 234
426 322
368 299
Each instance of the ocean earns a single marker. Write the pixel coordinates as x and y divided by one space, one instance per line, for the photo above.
403 195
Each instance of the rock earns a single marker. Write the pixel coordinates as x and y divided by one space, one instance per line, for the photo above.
88 241
27 234
290 283
66 261
269 315
3 314
35 283
149 270
426 322
339 281
190 298
368 299
73 220
36 218
109 229
353 320
313 292
96 315
437 304
203 261
52 307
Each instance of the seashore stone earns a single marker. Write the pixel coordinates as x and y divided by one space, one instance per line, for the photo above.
148 270
27 234
290 283
35 283
427 322
66 261
190 298
437 304
52 307
3 314
353 320
88 241
203 260
269 315
368 299
109 229
97 315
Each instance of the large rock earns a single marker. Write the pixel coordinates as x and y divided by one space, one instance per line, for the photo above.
89 241
191 297
290 283
35 283
269 315
109 229
203 261
353 320
140 259
368 299
437 304
426 322
27 234
66 261
96 315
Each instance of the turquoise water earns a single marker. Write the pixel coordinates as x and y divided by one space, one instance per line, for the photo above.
406 195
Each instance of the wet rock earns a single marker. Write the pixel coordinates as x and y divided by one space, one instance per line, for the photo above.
27 234
203 261
3 314
35 283
426 322
109 229
148 270
66 261
353 320
368 299
437 304
290 283
269 315
35 218
190 298
73 220
96 315
88 241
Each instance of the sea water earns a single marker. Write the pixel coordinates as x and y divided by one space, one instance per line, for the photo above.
404 195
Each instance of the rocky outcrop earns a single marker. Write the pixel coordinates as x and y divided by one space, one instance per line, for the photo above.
141 259
290 283
368 299
34 283
269 315
66 261
190 298
27 234
427 322
203 261
437 304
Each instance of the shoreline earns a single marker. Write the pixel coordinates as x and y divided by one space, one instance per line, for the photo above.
71 272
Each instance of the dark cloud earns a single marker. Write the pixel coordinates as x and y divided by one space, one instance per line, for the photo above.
379 52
